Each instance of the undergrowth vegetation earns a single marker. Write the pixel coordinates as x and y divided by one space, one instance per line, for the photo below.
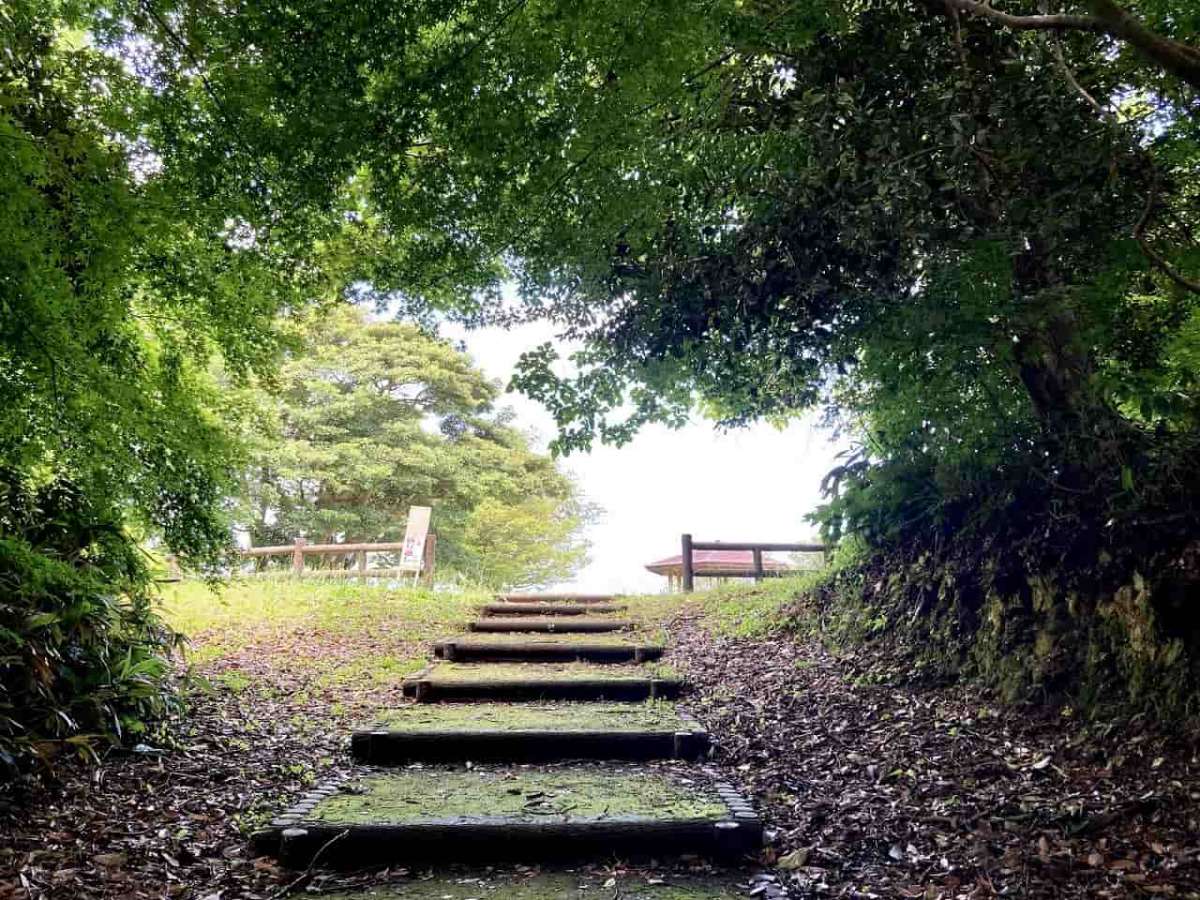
84 657
1089 642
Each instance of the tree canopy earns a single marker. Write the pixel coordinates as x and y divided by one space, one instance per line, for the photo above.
136 249
742 205
718 197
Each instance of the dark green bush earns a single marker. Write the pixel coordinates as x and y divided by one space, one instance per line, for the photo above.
1079 589
84 659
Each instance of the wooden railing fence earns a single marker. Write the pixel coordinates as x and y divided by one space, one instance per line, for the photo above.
300 548
756 548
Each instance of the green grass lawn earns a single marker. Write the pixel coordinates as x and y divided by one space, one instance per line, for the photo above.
745 609
733 609
200 612
346 641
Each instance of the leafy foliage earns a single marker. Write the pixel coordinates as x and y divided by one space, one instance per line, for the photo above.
530 544
82 653
123 269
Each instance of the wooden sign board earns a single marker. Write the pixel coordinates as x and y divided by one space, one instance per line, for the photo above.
415 532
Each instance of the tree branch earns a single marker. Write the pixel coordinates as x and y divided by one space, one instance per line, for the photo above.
1178 58
1050 22
1139 234
1056 48
469 51
1107 18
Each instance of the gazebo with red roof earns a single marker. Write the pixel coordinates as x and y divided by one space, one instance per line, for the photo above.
730 563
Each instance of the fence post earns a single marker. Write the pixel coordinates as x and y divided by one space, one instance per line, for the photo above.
689 581
361 559
428 558
758 566
298 557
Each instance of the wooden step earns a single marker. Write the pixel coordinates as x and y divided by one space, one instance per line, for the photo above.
502 682
564 883
563 625
557 598
551 609
522 733
521 647
526 815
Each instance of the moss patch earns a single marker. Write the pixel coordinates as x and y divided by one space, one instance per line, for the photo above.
371 671
652 716
521 795
556 886
616 621
551 608
602 638
576 671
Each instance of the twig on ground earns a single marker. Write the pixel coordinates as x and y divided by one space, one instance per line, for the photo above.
304 876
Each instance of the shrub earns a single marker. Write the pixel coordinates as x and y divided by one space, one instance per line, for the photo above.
84 659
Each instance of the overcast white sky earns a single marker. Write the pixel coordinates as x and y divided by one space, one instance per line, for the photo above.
752 484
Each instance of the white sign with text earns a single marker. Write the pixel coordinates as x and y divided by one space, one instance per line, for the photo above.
415 533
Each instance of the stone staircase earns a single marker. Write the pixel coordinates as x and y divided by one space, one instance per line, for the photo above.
560 708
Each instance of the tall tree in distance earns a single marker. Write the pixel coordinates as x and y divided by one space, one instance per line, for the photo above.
367 418
530 544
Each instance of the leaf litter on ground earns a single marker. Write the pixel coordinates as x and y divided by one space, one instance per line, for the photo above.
867 789
869 783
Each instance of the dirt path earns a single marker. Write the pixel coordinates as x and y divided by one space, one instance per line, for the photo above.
868 790
173 821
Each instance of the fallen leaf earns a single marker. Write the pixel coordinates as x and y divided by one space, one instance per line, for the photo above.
797 859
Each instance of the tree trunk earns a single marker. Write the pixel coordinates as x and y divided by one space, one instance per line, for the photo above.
1179 59
1056 368
1056 373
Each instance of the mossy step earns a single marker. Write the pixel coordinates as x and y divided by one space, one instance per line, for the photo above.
527 815
541 681
551 886
550 609
563 625
557 598
611 647
531 733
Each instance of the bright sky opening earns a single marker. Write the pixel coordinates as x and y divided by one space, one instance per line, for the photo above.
751 484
